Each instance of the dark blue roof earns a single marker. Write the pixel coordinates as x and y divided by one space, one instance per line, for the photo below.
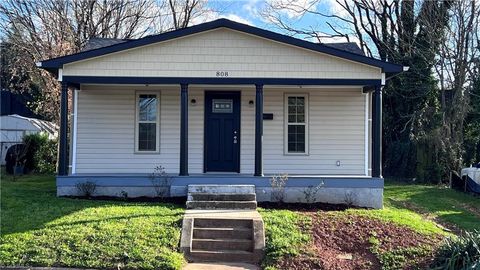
56 63
13 103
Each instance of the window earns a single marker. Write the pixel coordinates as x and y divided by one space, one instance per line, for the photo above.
296 130
222 106
147 122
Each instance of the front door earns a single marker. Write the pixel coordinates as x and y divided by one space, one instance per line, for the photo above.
222 131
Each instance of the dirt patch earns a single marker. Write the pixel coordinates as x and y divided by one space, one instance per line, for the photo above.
305 207
348 241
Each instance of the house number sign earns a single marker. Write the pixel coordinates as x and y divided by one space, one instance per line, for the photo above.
221 74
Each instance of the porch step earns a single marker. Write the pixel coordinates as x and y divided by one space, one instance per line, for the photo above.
213 189
222 223
222 244
221 204
222 196
217 235
223 256
222 233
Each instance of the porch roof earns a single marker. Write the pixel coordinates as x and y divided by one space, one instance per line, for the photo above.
56 63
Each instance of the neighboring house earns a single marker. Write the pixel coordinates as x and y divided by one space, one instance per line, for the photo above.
17 120
223 103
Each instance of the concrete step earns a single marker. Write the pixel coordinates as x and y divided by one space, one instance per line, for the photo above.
222 197
222 223
221 205
222 256
221 189
222 244
225 233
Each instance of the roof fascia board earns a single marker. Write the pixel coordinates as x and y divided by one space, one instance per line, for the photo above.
216 81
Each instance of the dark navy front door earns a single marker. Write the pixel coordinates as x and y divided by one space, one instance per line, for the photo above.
222 131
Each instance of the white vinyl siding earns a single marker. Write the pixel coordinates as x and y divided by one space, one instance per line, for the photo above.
222 50
336 133
106 131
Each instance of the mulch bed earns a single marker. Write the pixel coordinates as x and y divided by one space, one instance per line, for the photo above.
343 241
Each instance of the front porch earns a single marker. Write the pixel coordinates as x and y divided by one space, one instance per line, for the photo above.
346 134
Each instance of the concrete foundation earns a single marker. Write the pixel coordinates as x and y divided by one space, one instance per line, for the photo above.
358 191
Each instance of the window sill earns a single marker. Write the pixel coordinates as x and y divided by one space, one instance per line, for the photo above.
146 152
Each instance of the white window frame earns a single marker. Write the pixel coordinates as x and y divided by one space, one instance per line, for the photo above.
286 124
137 122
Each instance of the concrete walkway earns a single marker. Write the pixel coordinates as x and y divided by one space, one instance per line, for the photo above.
220 266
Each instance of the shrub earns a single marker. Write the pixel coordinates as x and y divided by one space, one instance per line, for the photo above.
33 142
86 189
161 181
278 183
462 253
41 154
46 157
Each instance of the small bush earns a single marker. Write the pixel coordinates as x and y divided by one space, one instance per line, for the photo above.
41 153
462 253
46 157
278 183
161 181
86 189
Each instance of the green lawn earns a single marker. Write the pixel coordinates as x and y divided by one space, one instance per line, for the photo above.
37 228
448 206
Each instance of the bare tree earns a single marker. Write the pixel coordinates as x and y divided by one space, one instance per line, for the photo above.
36 30
455 68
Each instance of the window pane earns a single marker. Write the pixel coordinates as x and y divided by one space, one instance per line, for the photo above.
300 101
291 101
147 107
296 109
222 106
147 134
296 139
300 118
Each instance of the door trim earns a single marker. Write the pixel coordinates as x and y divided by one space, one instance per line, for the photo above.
205 144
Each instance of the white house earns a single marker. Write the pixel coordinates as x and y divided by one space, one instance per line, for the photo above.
223 103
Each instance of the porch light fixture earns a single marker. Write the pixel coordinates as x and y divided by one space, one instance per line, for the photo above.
250 103
193 102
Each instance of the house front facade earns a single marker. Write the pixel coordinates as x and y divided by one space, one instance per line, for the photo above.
223 103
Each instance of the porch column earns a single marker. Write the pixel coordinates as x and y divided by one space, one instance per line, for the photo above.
184 130
63 148
258 130
377 132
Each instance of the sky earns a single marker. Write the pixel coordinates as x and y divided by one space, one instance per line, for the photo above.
250 12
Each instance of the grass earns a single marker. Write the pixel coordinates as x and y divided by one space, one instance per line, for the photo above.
285 231
452 207
39 229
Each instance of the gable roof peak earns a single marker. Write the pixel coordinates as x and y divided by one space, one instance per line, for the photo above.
56 63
